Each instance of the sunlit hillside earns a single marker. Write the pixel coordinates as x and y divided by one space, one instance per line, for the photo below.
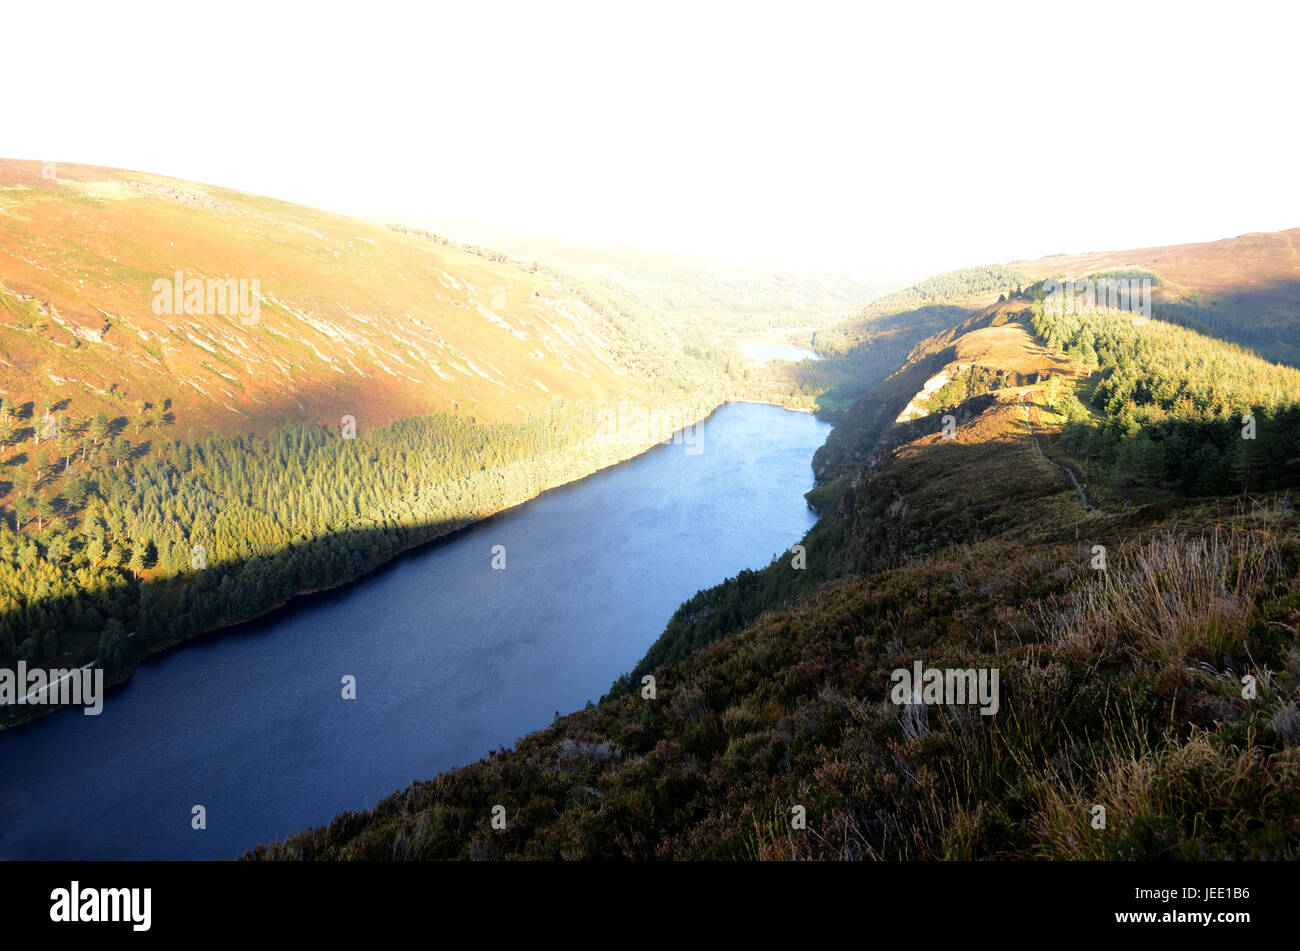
351 318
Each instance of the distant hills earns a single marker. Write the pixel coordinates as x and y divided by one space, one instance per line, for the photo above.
1244 289
728 296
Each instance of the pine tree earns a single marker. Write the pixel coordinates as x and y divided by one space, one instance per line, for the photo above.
137 563
99 428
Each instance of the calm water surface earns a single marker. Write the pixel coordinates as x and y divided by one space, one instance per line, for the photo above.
776 351
451 658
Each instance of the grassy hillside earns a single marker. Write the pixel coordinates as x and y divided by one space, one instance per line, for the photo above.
1162 686
862 350
920 305
1245 290
351 316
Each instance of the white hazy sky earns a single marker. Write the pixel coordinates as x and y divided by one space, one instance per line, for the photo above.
909 136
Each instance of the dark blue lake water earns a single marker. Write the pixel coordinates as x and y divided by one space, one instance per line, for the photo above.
451 658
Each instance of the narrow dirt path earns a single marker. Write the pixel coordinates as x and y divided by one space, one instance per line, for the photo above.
1030 427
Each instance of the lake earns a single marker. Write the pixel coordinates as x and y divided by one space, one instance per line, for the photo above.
452 658
776 351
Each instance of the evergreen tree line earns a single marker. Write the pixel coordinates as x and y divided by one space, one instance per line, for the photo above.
1171 411
199 535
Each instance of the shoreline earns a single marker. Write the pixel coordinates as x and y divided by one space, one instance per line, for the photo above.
614 456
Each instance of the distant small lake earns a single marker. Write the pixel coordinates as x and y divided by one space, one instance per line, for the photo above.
776 351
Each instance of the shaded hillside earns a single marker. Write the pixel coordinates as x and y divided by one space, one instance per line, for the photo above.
921 306
864 349
1244 289
1122 686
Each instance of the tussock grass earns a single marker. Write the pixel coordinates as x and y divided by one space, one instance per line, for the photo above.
1173 597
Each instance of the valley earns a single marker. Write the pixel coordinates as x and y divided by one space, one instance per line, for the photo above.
1144 635
460 458
239 434
455 648
177 460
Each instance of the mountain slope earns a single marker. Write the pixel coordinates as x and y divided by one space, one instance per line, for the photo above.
351 317
1244 289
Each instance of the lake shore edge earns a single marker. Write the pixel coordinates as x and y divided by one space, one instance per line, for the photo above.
606 457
